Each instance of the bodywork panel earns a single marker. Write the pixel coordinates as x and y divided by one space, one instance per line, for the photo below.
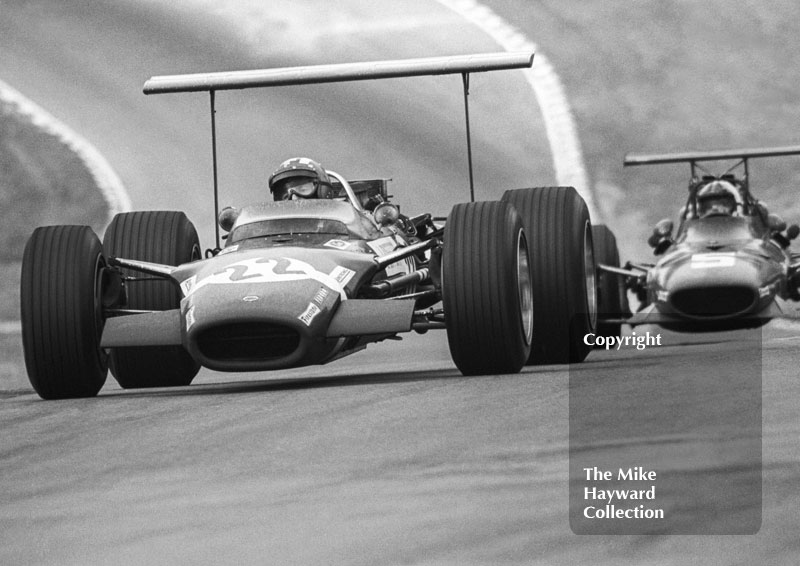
274 298
719 271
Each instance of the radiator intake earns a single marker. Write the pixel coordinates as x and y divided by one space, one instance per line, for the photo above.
243 341
714 302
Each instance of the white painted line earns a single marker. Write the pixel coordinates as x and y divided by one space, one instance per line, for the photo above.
10 327
106 179
785 324
562 133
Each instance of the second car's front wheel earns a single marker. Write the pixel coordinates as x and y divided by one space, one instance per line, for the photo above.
486 289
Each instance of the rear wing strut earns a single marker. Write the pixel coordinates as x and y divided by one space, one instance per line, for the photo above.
316 74
692 157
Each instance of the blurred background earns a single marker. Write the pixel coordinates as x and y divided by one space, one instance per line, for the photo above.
645 76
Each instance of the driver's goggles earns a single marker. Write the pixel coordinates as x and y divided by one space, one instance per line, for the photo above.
300 187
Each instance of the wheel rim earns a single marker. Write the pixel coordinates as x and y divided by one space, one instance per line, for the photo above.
524 287
589 275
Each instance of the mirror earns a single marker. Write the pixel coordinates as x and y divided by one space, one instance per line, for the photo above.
793 231
386 213
227 218
776 223
662 232
664 228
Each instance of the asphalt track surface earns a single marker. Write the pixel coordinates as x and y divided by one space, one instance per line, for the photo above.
389 456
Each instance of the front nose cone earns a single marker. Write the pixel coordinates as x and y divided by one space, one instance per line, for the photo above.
713 286
256 326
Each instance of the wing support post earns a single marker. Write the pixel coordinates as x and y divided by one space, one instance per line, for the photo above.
465 82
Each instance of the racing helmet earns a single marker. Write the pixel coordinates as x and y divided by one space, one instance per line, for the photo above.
717 198
300 177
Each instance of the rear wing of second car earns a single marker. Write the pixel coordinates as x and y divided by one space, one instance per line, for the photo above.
714 155
693 157
342 72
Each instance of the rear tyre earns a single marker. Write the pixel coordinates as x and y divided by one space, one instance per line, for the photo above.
168 238
61 312
556 221
486 289
612 299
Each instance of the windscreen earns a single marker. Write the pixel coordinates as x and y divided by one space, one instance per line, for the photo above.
722 228
289 227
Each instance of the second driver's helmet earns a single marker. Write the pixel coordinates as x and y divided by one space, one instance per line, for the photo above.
300 177
717 198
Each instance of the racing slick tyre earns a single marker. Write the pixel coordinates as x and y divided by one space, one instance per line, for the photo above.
486 289
612 297
164 237
556 221
61 312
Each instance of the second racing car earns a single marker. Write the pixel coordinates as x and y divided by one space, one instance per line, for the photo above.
728 265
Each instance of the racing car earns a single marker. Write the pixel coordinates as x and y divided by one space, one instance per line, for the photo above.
297 283
728 265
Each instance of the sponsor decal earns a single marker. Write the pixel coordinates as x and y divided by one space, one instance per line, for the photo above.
383 246
190 320
398 268
188 285
321 295
308 315
342 275
250 298
268 271
229 249
338 244
706 261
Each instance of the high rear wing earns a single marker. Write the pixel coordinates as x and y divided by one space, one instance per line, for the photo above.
341 72
716 155
692 157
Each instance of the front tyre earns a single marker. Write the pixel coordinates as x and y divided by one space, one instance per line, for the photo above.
556 221
486 289
61 312
168 238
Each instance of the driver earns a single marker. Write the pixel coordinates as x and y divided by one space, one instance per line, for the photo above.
718 198
300 178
